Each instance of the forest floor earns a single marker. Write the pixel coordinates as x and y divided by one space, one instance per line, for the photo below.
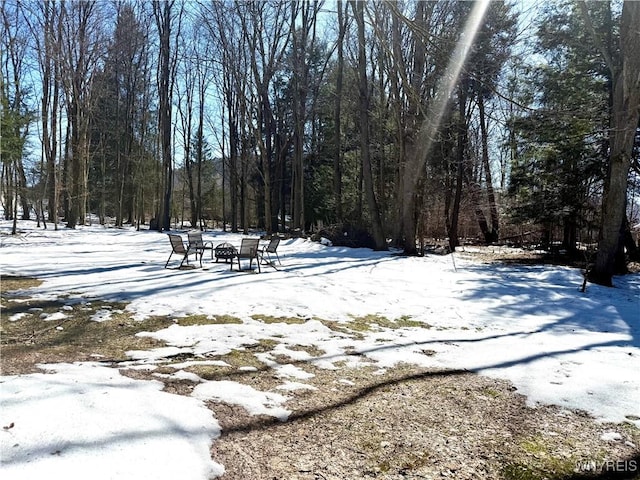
356 423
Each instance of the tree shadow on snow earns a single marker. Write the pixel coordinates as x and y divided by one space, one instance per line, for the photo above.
554 292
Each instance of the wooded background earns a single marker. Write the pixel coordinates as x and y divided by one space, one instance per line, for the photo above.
395 121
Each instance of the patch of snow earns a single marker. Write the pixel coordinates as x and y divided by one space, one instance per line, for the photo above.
89 421
102 315
253 401
611 437
18 316
292 386
52 317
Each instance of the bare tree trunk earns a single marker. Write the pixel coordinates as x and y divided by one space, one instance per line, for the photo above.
493 209
374 213
185 112
303 35
624 122
200 148
400 150
410 147
230 38
80 44
13 54
420 141
163 21
267 155
233 163
299 99
337 116
460 154
14 206
73 177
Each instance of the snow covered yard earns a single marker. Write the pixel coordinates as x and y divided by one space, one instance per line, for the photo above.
332 334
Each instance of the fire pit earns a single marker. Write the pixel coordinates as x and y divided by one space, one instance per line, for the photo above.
225 251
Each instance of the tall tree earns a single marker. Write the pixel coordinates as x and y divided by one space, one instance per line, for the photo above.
303 36
492 49
226 30
15 117
116 133
427 88
337 116
365 154
266 31
45 26
186 100
82 48
559 142
196 77
166 19
625 113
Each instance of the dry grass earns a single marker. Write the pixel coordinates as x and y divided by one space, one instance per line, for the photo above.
272 319
207 320
411 423
27 338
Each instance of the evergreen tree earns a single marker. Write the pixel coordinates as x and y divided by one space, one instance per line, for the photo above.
562 142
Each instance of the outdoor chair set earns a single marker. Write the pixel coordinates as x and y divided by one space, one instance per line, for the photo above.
249 250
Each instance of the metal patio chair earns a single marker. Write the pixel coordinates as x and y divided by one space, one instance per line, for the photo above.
269 250
179 248
248 251
195 241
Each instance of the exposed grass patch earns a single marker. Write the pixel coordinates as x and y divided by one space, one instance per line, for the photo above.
241 358
370 322
198 319
542 460
404 462
312 350
9 283
343 328
517 471
246 357
490 392
535 446
209 372
79 340
630 430
366 323
272 319
34 331
406 321
262 346
13 299
413 461
553 469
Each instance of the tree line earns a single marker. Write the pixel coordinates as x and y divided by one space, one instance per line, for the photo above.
408 120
